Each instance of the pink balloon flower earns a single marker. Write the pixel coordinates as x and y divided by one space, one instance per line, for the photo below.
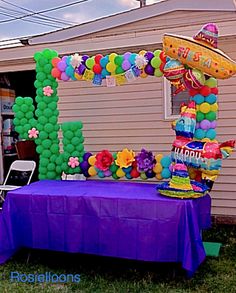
73 162
47 91
33 133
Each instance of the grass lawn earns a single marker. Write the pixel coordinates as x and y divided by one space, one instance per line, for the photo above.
101 274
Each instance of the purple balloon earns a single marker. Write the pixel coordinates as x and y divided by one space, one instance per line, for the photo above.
126 65
86 156
61 65
64 58
80 70
107 173
197 125
213 124
149 69
205 124
126 55
64 76
149 55
84 166
85 57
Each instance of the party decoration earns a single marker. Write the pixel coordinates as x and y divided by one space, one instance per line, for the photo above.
47 91
145 161
181 186
125 158
200 52
73 162
33 133
206 156
104 159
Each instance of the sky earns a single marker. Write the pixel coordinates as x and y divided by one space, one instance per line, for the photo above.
76 14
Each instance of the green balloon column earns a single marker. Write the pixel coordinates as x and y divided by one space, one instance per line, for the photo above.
40 123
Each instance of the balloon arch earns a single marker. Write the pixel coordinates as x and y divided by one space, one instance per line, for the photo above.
191 64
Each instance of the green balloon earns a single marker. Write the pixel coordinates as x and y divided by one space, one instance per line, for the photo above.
53 158
39 92
114 176
47 68
42 170
58 169
46 154
37 84
75 141
53 135
16 121
80 147
64 166
90 63
37 56
47 82
51 167
156 62
200 116
46 143
19 129
119 70
54 148
158 72
52 105
56 127
42 177
81 139
65 141
43 120
19 101
48 127
211 116
69 134
24 108
15 108
43 135
114 155
157 53
23 121
51 175
211 82
75 154
118 60
53 120
47 113
42 61
38 99
26 128
19 115
44 161
38 68
29 115
59 160
38 113
69 148
78 133
47 53
40 127
39 149
42 105
113 168
41 76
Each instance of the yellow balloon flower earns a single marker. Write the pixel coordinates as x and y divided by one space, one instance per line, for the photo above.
92 160
92 171
125 158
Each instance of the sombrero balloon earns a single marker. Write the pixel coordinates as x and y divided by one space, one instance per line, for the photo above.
200 52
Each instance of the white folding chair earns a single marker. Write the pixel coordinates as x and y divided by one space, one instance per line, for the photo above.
20 173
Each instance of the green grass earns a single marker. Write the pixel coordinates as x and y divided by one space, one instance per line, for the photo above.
103 275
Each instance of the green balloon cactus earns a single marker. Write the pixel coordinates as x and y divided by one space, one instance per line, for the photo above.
38 120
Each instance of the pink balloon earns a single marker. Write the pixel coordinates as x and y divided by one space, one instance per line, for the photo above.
205 124
213 124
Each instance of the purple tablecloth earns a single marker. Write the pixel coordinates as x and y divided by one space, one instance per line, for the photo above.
119 219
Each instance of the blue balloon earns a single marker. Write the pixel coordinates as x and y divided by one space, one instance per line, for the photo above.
70 71
128 176
211 99
104 61
165 173
165 162
127 170
199 133
68 59
101 174
105 73
199 99
132 58
211 133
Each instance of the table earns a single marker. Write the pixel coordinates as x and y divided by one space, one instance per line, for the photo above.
109 218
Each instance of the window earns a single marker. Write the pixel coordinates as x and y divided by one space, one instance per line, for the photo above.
172 103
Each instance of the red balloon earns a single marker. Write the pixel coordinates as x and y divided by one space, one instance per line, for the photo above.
97 69
55 61
98 57
56 73
193 92
134 173
205 91
214 90
162 66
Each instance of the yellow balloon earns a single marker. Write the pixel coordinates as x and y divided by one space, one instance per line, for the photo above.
111 67
120 173
205 108
92 171
143 75
158 176
158 157
214 107
92 160
78 76
197 108
112 57
157 168
142 52
206 139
